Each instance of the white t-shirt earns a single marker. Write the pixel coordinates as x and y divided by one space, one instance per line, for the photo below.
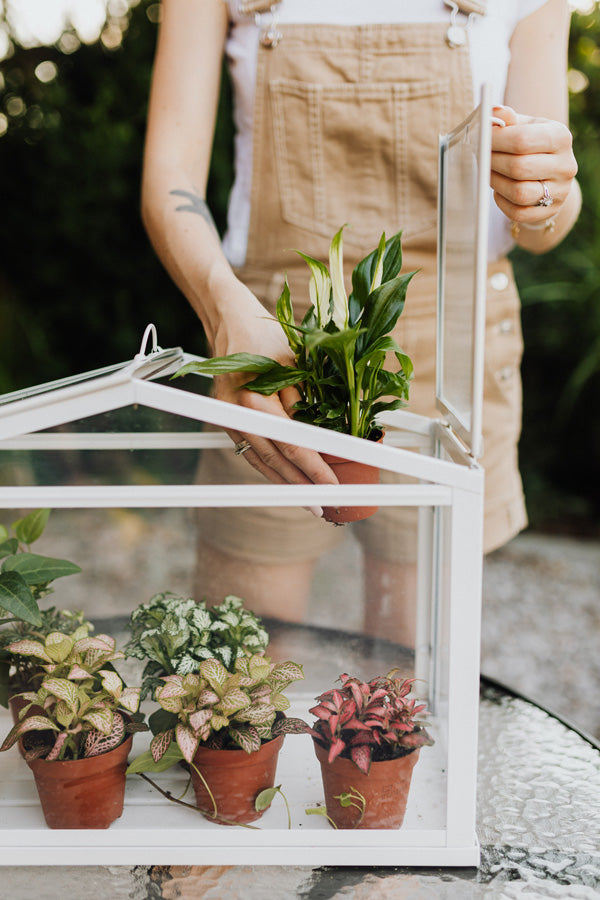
489 38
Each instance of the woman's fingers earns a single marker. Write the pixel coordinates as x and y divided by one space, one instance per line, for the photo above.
519 199
296 465
531 160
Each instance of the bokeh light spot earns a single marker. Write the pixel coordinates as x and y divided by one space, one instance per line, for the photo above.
46 71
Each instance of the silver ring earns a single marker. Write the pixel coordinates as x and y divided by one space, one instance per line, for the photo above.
242 447
546 199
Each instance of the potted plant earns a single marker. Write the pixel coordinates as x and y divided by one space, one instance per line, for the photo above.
340 350
367 738
25 579
230 727
174 635
77 744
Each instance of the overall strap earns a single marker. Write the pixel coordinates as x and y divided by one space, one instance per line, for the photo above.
252 7
472 6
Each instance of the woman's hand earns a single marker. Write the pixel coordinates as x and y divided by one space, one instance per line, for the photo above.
532 159
525 153
256 331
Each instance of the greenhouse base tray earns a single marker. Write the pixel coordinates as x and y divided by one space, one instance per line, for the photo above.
154 830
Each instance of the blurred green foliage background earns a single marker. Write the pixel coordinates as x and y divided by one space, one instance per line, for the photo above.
79 280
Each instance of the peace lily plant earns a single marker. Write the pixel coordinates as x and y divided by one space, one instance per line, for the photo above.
340 347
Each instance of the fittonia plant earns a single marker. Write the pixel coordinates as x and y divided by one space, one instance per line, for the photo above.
175 635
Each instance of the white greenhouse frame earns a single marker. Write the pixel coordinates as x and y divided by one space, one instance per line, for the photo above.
447 478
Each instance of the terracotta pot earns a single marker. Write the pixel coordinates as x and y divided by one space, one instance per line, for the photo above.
82 793
385 790
235 779
350 472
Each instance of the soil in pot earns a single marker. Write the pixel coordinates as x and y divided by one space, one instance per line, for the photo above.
235 779
82 793
348 471
385 790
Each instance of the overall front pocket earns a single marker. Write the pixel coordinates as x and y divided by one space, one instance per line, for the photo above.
365 154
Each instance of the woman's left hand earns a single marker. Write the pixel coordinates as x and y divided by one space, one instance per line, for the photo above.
528 154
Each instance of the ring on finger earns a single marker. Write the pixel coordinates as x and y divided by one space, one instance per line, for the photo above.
241 447
546 199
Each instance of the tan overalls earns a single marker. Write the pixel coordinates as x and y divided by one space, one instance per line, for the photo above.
346 126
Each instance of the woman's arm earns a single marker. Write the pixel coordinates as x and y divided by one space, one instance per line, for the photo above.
536 145
181 119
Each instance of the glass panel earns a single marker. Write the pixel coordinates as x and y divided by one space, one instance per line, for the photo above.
358 599
348 610
462 248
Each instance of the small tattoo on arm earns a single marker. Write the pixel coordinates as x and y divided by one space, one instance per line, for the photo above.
196 204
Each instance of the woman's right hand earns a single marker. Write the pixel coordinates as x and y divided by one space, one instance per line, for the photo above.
255 330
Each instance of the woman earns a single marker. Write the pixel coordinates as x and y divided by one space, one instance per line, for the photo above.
338 113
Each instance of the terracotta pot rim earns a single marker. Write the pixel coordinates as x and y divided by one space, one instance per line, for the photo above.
239 756
323 752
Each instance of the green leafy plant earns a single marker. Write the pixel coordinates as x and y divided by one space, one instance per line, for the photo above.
369 721
85 708
25 579
175 634
222 710
340 346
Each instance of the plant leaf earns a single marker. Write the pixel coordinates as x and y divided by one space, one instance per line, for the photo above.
8 547
258 714
145 763
289 725
246 738
171 689
32 723
285 317
339 309
319 288
161 720
111 683
37 569
361 755
383 308
378 273
285 673
278 378
337 746
187 741
101 719
16 597
265 798
58 646
130 699
223 365
30 527
160 744
29 648
63 689
233 701
215 673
